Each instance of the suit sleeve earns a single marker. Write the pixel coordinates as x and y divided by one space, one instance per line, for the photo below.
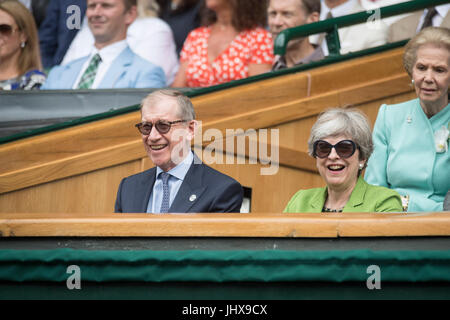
424 204
53 78
229 199
154 77
376 169
390 203
48 34
118 204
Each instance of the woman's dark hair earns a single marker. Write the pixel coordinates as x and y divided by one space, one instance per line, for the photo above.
247 14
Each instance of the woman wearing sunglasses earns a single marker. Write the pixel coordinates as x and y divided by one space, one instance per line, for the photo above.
20 63
341 142
412 138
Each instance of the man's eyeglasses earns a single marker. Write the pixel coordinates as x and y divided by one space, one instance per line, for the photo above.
162 126
344 149
6 30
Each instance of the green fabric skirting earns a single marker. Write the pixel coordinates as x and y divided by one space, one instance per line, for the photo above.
224 266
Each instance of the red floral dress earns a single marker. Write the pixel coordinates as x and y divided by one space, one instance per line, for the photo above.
253 46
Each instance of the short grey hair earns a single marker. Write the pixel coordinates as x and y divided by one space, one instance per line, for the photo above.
185 107
440 37
348 122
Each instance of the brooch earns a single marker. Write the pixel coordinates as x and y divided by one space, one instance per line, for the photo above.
440 139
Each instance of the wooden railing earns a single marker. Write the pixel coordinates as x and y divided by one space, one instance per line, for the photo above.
226 225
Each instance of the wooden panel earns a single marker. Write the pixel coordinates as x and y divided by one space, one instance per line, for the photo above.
89 193
227 225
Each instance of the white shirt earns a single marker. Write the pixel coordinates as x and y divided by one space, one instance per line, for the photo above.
150 38
108 54
442 11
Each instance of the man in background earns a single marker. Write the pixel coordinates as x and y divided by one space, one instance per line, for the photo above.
284 14
111 63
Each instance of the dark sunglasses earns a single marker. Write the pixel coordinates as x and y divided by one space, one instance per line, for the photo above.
6 29
162 126
344 148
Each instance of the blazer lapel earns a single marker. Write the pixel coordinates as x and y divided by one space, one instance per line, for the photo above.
318 200
117 69
145 189
357 197
190 190
71 71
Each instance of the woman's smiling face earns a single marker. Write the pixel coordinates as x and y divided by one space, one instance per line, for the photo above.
339 173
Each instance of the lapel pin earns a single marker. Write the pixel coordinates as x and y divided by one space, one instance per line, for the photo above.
192 197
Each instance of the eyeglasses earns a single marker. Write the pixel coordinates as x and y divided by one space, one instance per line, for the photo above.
162 126
6 30
344 149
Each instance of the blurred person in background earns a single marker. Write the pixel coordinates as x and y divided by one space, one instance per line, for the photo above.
20 63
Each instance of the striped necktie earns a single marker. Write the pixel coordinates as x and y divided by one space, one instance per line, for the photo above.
87 79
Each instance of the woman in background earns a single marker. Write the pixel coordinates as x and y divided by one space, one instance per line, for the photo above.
231 45
341 142
20 62
411 138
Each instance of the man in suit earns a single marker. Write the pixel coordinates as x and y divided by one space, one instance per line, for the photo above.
407 27
111 63
284 14
180 182
54 34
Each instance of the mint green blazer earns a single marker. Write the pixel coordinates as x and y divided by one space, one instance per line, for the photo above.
404 156
364 198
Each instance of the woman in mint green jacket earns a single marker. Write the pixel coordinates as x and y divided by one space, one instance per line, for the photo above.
411 138
341 142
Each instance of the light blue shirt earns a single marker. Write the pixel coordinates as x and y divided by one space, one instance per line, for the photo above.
176 178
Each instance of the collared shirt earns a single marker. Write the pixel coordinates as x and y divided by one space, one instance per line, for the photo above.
442 11
339 11
108 54
176 178
280 61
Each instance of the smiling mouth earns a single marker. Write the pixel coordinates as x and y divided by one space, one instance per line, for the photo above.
336 167
158 147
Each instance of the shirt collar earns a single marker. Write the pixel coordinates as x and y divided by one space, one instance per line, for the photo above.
443 9
181 169
340 10
110 52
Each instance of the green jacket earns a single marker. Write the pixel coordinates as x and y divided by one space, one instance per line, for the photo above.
364 198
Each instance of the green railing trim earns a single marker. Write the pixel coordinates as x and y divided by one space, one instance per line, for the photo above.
193 92
330 25
224 265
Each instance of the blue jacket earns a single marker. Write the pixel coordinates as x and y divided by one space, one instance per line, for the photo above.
128 70
405 159
54 34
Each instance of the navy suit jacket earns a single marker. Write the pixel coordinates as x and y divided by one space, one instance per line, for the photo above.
54 35
214 192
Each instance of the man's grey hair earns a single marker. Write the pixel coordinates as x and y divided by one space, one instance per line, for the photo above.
347 122
185 107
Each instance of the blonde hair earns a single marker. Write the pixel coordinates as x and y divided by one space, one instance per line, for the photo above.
147 8
30 57
440 37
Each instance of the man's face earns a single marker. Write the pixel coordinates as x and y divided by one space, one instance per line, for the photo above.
284 14
166 150
109 20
